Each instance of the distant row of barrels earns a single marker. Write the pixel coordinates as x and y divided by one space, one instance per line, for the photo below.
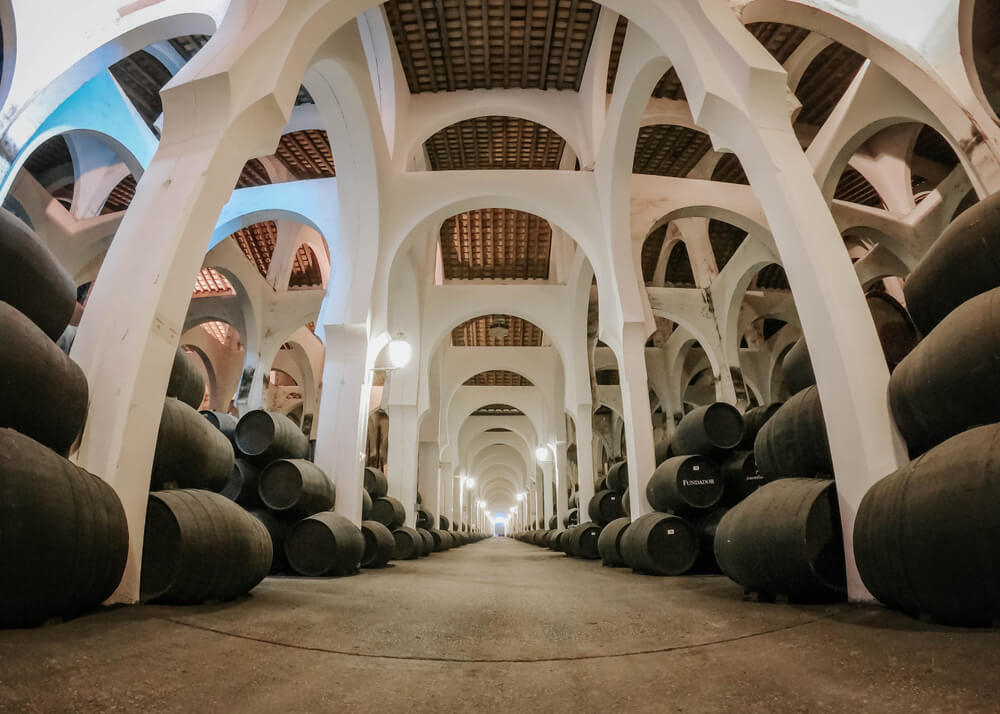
63 534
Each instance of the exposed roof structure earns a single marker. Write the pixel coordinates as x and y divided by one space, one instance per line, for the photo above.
498 378
496 244
495 142
476 333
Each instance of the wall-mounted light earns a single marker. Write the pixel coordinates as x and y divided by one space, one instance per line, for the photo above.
520 496
542 453
399 351
470 482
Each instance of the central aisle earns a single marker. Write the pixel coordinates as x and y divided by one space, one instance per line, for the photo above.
494 625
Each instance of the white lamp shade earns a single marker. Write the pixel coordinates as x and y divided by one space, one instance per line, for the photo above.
399 353
542 453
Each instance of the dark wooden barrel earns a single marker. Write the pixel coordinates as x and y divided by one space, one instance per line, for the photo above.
265 436
32 280
43 393
224 422
428 539
388 511
617 478
949 383
896 331
707 526
572 518
447 539
445 524
740 475
684 485
707 429
555 538
366 505
190 452
601 484
927 537
64 535
201 546
277 528
605 507
583 541
379 545
376 484
797 369
538 538
409 544
626 503
325 543
440 544
785 539
553 522
186 381
661 451
660 544
425 519
242 486
753 420
962 263
609 542
574 500
793 442
297 486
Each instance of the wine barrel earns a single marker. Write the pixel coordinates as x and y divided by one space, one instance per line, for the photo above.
388 511
43 393
425 519
896 332
447 540
190 452
797 369
376 484
379 545
617 478
264 436
707 429
753 420
277 528
741 477
793 443
708 526
32 281
572 518
538 538
949 382
959 265
661 451
186 381
660 544
684 485
224 422
609 542
297 486
201 546
428 539
445 524
242 486
409 544
601 484
605 507
626 503
325 543
785 539
65 539
366 505
555 538
574 500
927 537
583 541
553 522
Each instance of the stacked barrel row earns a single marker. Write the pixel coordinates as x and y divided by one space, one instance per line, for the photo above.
927 537
63 530
386 517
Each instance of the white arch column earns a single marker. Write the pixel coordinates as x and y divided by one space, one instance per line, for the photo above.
429 478
584 421
401 469
561 481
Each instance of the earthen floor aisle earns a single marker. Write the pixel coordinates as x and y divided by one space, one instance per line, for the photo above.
499 626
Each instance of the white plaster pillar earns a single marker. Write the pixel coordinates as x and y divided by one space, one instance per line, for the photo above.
584 457
343 415
401 464
429 478
638 422
547 504
561 481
